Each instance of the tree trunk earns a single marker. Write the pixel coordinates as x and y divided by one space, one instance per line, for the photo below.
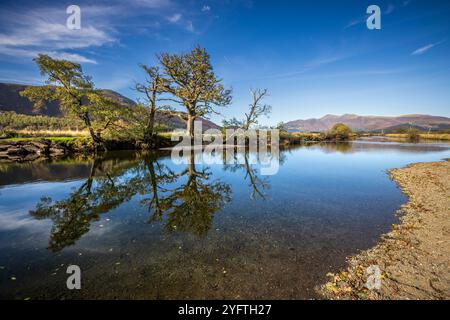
150 129
98 141
154 184
151 122
190 126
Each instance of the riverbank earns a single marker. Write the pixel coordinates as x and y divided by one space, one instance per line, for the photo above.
30 149
22 149
414 258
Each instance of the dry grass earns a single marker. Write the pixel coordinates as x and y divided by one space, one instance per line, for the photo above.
52 133
426 136
435 136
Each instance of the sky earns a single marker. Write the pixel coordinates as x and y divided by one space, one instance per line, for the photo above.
314 57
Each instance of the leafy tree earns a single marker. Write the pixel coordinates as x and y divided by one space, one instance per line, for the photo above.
193 84
233 123
76 94
341 131
282 127
413 134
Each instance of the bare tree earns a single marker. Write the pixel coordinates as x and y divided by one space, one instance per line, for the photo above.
257 108
153 87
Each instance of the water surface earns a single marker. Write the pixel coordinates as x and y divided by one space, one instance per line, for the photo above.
141 227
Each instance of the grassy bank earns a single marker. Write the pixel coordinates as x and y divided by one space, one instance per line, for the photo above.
75 137
302 137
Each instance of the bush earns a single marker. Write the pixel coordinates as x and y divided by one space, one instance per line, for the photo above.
339 131
413 134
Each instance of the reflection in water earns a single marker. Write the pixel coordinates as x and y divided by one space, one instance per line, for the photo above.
191 206
256 182
72 217
183 201
186 207
326 202
341 147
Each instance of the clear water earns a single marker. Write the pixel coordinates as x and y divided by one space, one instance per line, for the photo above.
141 227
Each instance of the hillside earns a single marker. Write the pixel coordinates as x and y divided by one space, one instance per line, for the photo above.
368 123
11 100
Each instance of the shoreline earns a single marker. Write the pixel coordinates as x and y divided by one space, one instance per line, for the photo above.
30 149
414 257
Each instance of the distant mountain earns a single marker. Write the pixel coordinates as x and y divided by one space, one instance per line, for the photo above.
405 127
368 123
11 100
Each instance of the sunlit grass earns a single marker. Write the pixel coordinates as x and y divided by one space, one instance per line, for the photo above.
52 133
427 136
55 139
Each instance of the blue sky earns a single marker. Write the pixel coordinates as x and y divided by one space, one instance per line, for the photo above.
314 57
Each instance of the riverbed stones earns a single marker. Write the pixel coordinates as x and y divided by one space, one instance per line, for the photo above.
30 150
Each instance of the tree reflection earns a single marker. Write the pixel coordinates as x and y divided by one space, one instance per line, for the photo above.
341 147
257 183
185 201
72 217
191 206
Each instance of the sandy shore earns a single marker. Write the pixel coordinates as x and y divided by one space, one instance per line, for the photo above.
414 258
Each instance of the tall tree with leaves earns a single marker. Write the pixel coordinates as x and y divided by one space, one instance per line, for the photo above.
75 92
193 84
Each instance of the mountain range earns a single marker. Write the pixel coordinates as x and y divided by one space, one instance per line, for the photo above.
369 123
11 100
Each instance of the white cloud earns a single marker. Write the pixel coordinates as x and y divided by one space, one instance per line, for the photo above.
175 18
424 49
206 8
151 3
32 53
44 31
54 35
26 32
190 26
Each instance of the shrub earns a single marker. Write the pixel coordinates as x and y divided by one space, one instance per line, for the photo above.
413 134
340 131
